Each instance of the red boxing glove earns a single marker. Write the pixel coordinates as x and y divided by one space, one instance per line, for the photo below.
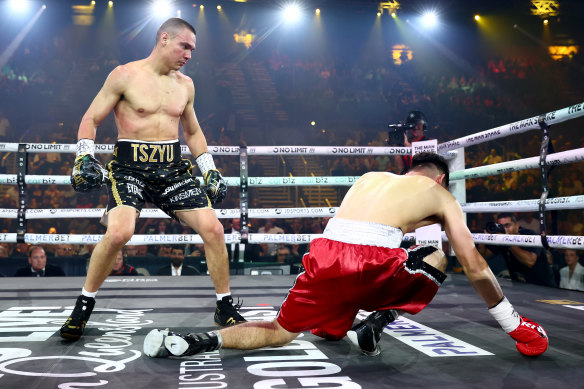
532 340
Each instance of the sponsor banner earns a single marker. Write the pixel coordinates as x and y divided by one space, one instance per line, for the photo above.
302 181
9 147
214 150
556 203
8 237
93 239
429 235
555 241
560 158
47 180
156 213
65 148
430 146
112 349
282 238
8 213
532 123
429 341
64 213
8 179
66 180
283 213
328 150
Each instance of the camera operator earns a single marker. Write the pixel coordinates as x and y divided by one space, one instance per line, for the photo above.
403 134
525 264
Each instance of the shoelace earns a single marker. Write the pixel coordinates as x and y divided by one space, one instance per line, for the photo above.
238 305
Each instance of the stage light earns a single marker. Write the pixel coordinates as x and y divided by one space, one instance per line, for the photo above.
19 6
313 123
317 11
393 15
545 22
110 3
93 2
202 6
219 8
429 19
161 8
378 14
477 17
291 13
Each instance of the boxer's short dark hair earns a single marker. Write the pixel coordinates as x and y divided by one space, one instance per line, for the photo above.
172 26
425 158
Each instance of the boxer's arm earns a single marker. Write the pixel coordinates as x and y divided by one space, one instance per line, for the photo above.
194 136
530 338
103 103
475 267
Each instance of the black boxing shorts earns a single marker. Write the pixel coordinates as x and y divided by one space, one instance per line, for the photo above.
143 171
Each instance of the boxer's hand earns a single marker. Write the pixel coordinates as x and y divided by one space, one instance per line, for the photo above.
215 186
531 338
87 174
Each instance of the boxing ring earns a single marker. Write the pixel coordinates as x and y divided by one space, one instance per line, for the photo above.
453 342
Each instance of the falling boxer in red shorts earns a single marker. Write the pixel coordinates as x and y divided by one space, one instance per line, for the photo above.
358 264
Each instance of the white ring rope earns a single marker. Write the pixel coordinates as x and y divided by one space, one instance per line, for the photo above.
553 204
234 150
560 158
155 213
230 181
518 127
555 241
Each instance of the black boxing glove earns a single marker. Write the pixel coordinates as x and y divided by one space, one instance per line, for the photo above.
87 173
215 185
530 338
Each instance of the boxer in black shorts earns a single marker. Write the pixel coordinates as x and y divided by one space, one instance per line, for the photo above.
150 97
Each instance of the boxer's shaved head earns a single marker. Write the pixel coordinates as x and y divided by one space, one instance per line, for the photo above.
173 27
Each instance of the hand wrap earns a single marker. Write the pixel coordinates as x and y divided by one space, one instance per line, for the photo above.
216 187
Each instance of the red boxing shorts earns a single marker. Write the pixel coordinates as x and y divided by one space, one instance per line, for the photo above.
342 278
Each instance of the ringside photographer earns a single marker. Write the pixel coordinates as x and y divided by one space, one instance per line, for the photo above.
403 134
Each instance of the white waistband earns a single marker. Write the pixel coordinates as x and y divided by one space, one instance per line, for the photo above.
360 232
149 141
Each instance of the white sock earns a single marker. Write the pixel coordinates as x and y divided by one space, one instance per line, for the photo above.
221 295
88 294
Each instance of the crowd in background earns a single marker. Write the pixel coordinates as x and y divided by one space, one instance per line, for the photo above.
42 102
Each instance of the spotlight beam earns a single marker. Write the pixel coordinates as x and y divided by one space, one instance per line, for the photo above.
9 51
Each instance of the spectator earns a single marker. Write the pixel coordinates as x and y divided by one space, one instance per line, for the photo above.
164 250
121 268
492 158
572 275
525 264
176 267
65 250
130 251
39 267
529 222
282 253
